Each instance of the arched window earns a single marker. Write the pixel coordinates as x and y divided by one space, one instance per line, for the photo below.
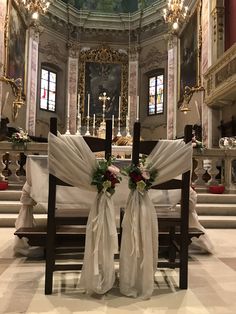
156 93
48 89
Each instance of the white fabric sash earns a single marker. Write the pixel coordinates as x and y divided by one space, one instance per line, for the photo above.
139 244
71 160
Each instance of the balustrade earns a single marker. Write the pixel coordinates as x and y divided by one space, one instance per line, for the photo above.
210 166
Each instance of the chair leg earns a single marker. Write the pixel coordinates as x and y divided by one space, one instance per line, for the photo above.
183 272
50 263
172 249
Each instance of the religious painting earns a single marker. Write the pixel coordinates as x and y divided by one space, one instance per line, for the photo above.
189 55
103 78
103 70
16 43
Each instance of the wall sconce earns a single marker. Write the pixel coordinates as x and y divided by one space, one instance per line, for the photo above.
188 93
16 85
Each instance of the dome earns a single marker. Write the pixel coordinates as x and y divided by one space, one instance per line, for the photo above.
108 6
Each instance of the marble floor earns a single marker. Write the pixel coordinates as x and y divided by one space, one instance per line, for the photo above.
212 285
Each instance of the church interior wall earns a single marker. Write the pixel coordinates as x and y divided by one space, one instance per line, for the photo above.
153 56
52 54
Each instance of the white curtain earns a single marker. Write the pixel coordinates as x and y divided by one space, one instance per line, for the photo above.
139 245
71 160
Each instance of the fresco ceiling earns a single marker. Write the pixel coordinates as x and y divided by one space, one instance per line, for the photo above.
111 6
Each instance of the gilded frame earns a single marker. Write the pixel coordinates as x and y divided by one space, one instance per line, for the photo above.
190 53
104 54
15 39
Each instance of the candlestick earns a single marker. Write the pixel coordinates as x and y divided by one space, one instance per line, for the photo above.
119 107
78 132
68 116
78 104
87 130
94 124
137 109
127 127
129 106
113 121
88 105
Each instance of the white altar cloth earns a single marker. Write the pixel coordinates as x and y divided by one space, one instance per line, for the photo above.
35 191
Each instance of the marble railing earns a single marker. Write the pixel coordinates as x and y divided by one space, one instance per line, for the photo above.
220 79
210 166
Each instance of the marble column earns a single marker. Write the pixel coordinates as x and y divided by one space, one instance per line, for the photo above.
172 80
133 80
206 61
72 84
3 10
32 78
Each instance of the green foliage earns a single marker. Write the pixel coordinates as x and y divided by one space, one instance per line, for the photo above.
106 176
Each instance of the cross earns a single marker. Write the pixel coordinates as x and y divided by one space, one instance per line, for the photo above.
104 98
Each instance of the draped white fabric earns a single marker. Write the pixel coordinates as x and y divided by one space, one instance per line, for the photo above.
71 160
138 256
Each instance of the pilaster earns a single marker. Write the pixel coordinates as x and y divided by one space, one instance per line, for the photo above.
32 78
3 11
72 84
218 29
133 90
172 79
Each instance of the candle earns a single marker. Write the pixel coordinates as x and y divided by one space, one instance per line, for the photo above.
68 106
129 107
113 121
119 107
94 120
78 106
137 109
88 105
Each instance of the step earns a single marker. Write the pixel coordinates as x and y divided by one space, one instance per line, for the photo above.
10 195
221 222
216 209
9 207
216 198
8 220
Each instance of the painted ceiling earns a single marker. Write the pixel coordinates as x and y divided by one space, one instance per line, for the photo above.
108 6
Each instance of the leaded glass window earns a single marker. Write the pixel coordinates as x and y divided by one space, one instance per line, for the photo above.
156 94
48 90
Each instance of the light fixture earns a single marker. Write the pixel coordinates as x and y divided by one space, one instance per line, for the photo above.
35 7
188 93
17 87
175 14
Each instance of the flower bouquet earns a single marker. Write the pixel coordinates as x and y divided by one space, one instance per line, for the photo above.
106 176
140 177
19 139
197 144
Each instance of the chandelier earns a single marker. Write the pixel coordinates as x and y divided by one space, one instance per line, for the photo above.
176 13
35 7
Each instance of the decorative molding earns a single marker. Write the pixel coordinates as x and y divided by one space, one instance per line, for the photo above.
73 49
153 59
220 79
53 53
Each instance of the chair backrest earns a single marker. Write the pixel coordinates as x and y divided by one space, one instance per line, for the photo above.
145 147
95 144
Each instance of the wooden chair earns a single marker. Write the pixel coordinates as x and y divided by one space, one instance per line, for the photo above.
66 228
174 232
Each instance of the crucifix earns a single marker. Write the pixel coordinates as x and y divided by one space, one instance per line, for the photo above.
104 98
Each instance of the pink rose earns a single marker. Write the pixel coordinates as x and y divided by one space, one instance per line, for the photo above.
146 174
113 169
